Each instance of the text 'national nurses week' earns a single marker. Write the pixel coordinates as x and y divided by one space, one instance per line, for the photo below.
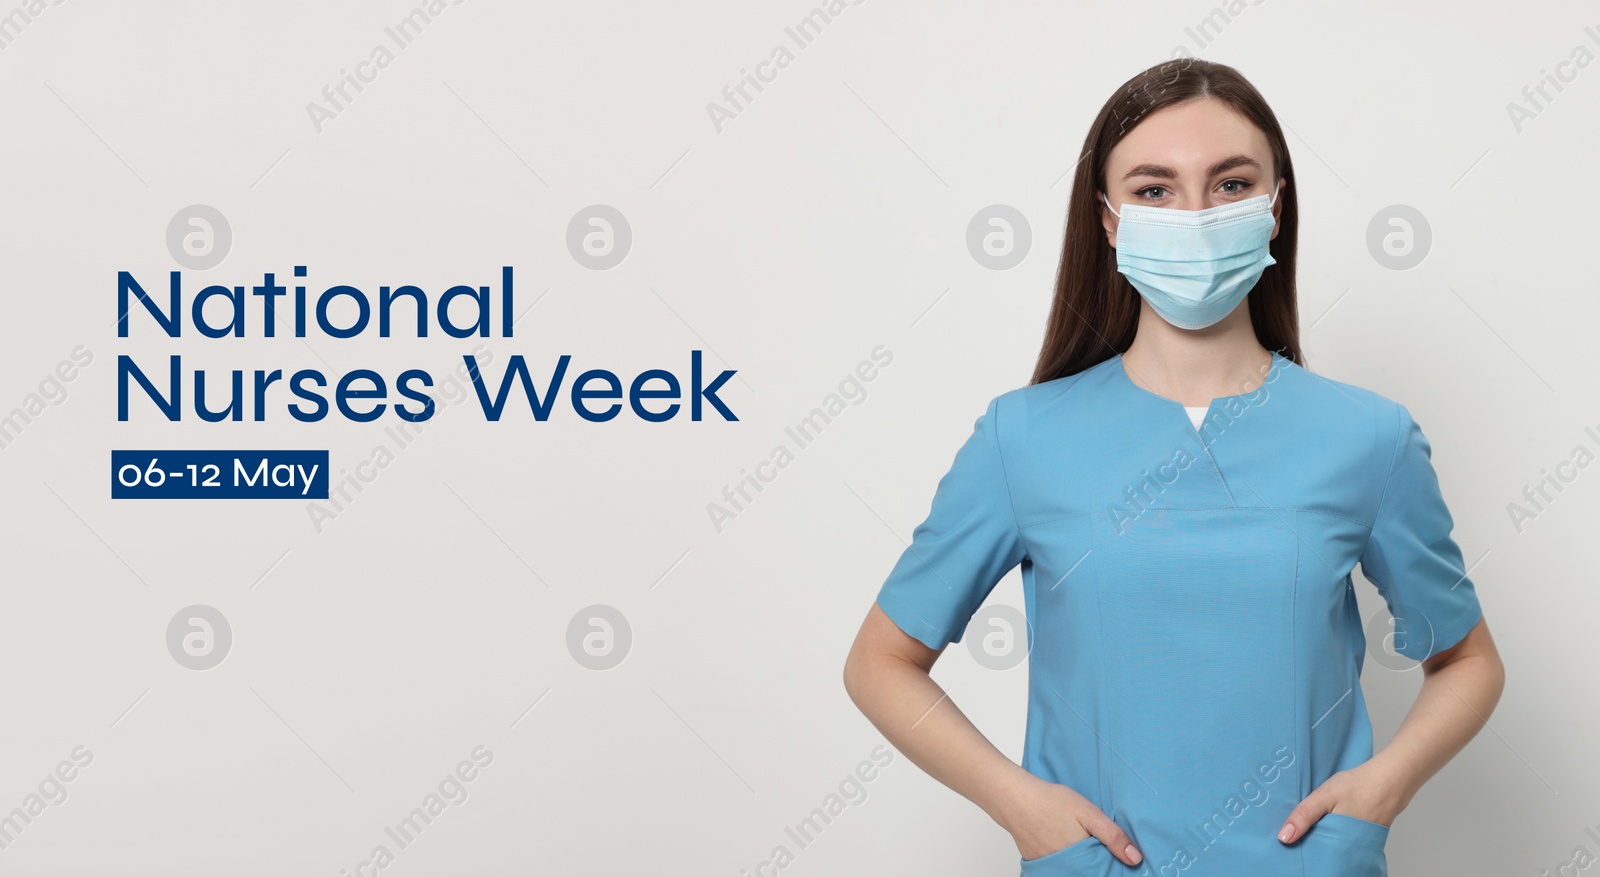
222 312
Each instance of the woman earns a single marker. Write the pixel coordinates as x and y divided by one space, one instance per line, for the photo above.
1194 643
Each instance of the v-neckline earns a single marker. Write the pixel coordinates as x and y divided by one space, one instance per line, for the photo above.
1121 373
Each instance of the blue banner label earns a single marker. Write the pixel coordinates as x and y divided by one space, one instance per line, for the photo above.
211 474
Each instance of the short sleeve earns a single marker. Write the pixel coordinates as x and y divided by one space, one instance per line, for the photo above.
966 544
1411 557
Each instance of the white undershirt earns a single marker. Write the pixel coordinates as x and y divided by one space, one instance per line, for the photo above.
1197 415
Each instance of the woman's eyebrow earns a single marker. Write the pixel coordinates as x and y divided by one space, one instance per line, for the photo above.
1167 173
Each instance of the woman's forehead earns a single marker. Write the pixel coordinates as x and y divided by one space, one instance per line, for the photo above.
1189 139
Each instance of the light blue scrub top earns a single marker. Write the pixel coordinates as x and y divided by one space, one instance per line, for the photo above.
1195 647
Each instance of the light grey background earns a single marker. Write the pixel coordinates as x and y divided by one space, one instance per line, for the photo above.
828 218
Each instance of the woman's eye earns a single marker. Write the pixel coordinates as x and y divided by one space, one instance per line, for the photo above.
1157 193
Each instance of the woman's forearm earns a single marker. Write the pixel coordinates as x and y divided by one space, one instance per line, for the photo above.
1452 706
918 717
887 676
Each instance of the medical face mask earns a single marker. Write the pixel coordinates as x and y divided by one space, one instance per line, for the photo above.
1195 266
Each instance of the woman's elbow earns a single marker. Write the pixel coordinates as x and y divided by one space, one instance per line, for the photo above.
857 670
1477 649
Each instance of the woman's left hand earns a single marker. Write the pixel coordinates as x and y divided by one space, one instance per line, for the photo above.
1362 792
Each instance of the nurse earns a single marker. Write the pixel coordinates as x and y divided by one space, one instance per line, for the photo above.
1187 503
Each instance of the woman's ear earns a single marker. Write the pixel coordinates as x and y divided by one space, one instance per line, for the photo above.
1108 220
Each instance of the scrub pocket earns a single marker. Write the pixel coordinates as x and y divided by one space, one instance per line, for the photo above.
1344 846
1085 858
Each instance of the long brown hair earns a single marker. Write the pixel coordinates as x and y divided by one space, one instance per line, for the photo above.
1095 312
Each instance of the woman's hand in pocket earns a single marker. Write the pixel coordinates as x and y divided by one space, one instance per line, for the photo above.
1049 817
1361 791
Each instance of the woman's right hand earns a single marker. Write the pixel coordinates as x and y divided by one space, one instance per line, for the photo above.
1052 817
